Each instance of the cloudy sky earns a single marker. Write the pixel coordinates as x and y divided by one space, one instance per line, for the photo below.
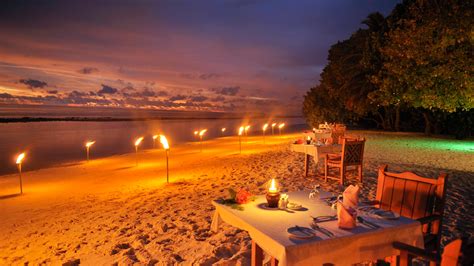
217 55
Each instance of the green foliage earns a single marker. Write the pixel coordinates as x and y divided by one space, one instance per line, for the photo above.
418 60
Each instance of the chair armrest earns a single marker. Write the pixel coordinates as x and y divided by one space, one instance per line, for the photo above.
371 202
429 219
416 251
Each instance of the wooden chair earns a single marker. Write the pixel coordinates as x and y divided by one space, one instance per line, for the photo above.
337 133
351 156
450 257
414 197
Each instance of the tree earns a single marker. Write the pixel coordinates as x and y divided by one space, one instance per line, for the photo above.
428 60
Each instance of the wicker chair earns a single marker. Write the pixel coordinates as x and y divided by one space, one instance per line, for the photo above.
351 156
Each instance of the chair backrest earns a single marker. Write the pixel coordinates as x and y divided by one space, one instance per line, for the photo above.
451 253
337 134
412 196
352 151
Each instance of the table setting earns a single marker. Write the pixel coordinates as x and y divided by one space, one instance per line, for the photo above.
302 225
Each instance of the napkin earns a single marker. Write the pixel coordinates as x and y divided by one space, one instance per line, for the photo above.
350 197
346 218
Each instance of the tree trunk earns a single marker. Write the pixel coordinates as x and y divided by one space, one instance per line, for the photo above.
397 118
426 116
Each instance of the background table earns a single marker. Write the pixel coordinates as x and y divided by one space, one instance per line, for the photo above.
267 228
316 151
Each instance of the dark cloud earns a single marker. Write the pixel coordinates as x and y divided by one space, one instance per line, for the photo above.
230 91
217 99
34 83
52 91
107 90
178 97
88 70
198 98
6 96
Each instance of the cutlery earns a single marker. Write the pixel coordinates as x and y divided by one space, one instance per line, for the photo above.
302 230
322 230
370 224
324 218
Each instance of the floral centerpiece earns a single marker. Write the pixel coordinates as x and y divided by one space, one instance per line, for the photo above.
237 198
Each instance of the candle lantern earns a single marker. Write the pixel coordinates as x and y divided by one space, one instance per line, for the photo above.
273 194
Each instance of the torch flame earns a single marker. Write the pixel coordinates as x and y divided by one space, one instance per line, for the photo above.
90 143
202 132
274 124
223 129
265 127
281 125
272 187
196 132
20 158
138 141
155 137
247 128
164 142
241 129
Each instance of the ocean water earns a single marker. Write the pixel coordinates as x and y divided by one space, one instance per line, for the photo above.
52 143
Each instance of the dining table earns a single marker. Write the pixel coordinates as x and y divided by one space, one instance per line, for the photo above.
268 229
317 151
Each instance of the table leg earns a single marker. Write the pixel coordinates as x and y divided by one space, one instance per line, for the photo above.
273 262
257 255
306 164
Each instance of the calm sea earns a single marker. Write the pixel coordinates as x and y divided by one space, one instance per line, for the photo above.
53 143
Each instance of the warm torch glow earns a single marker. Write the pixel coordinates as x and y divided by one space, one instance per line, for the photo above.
274 124
241 129
196 132
281 125
20 158
201 133
89 143
247 128
272 187
164 142
138 141
265 127
155 137
223 129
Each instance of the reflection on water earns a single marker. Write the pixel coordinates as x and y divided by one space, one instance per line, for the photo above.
53 143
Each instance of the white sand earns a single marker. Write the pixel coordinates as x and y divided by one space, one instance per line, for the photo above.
110 211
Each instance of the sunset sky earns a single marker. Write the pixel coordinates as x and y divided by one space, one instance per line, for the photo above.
216 55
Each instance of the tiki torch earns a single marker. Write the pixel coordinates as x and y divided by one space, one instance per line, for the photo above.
223 130
247 130
273 126
201 134
264 128
166 146
88 146
19 160
241 130
154 140
280 126
137 143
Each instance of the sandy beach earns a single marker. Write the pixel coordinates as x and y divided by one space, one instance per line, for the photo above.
109 211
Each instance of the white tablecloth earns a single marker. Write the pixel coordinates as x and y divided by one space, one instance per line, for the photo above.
315 151
268 229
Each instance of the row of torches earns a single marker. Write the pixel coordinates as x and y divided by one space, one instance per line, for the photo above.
164 143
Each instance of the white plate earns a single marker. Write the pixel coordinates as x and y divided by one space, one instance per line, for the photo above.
301 232
294 206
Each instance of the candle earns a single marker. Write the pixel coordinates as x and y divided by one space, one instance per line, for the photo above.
273 195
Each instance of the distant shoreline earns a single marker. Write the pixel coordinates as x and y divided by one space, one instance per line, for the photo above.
119 119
